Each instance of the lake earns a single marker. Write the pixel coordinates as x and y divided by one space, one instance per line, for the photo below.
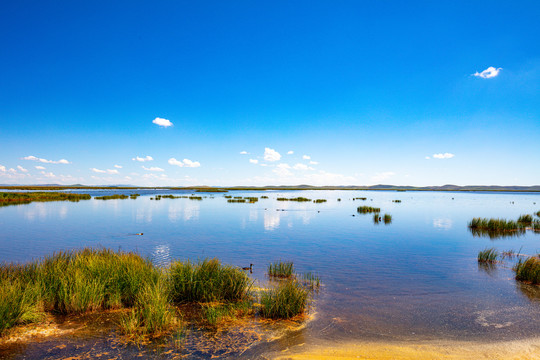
415 279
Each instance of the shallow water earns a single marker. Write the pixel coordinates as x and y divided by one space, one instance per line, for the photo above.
414 279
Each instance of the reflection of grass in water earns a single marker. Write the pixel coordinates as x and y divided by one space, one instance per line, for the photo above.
528 270
488 256
281 269
495 234
13 198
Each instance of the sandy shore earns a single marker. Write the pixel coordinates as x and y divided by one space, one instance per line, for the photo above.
518 349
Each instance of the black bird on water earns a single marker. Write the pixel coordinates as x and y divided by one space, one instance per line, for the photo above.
250 268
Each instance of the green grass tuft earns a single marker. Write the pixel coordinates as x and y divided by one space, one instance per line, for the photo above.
286 300
488 256
528 270
281 269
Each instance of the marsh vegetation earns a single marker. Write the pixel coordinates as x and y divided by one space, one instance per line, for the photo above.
18 198
87 280
297 199
495 228
367 210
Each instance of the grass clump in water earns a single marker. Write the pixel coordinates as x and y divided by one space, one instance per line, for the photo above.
319 201
494 224
489 256
367 209
207 281
525 219
528 270
360 198
236 200
112 197
266 197
387 218
396 201
285 301
199 198
16 198
281 269
297 199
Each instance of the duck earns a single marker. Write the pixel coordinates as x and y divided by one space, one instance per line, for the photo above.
139 234
250 268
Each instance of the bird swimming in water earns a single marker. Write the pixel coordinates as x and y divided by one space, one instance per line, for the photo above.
250 268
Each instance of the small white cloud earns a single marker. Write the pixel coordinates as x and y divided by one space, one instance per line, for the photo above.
2 168
153 168
21 168
118 166
162 122
302 167
443 156
243 152
271 155
254 161
112 171
39 167
314 163
306 157
143 159
34 158
98 171
290 152
184 163
427 158
489 73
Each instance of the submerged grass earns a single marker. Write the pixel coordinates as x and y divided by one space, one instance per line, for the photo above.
17 198
488 256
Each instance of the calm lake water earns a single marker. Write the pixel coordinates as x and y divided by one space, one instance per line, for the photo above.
416 278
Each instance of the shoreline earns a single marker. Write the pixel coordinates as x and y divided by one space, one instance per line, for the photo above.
528 348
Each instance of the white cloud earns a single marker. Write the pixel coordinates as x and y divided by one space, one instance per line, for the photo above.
162 122
302 167
118 166
143 159
490 72
243 152
290 152
427 158
254 161
306 157
108 171
282 170
34 158
184 163
21 168
49 175
314 163
382 176
271 155
153 168
2 168
39 167
443 156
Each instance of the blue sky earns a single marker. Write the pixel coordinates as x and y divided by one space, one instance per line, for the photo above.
321 93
